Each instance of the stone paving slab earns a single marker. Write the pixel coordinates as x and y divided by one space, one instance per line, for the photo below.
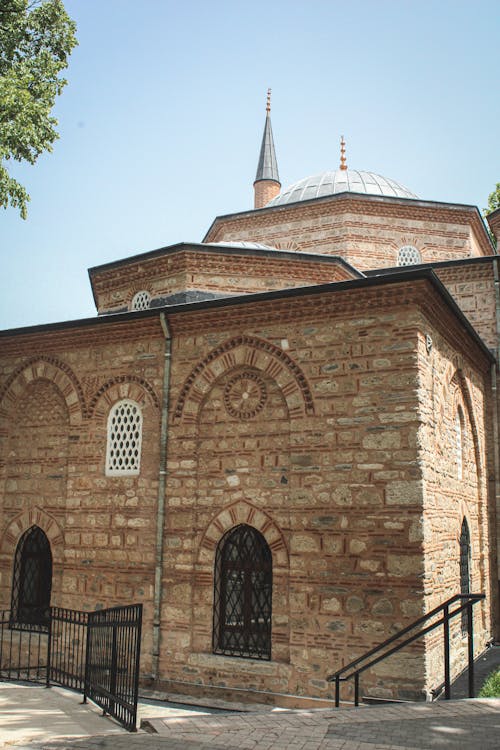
455 725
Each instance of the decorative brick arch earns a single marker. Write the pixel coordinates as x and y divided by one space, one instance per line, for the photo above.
124 386
245 351
33 517
461 397
46 368
239 513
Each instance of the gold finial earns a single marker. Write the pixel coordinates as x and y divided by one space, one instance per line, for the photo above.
343 164
268 104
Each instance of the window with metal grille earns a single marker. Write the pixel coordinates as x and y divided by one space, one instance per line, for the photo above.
32 579
123 455
243 595
459 443
408 256
141 300
464 568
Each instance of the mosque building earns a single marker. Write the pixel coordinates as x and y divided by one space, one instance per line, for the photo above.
281 440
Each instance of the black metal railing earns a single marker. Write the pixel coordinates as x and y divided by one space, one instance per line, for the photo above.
68 641
112 662
23 649
95 653
444 612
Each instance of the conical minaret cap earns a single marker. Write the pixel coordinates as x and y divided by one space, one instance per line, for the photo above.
267 168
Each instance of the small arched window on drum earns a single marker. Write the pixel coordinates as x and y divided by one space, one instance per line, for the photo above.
141 301
408 256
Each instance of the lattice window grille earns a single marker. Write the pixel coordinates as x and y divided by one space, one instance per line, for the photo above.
141 300
464 568
32 580
243 595
124 439
408 256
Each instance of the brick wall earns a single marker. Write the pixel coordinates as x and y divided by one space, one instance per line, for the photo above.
53 431
366 232
331 457
338 489
221 273
455 488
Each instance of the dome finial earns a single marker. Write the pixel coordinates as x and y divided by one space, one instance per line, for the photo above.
343 164
268 103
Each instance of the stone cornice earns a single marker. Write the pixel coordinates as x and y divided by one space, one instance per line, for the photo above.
74 334
429 296
178 258
357 296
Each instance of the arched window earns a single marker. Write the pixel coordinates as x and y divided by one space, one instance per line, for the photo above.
123 454
408 256
459 441
464 567
32 579
141 300
243 595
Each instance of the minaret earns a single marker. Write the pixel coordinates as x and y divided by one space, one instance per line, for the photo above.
267 182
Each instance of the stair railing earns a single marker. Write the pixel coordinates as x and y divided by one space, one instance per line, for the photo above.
374 655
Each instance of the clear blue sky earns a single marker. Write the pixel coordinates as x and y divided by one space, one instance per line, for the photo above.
161 122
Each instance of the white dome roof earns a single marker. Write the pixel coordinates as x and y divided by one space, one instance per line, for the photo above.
341 181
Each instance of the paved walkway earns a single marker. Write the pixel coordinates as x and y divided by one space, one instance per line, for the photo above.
30 714
454 725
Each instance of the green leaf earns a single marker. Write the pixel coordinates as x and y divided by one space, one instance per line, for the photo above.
36 40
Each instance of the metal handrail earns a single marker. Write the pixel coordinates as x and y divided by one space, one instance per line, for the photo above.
467 601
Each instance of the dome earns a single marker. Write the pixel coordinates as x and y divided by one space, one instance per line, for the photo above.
341 181
244 245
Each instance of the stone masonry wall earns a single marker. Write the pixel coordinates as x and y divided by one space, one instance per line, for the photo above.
367 233
220 273
473 288
328 456
53 431
327 468
455 473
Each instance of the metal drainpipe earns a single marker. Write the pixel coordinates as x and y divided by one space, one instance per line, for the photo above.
162 480
496 447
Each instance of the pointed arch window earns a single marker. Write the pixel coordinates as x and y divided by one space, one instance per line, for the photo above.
459 441
464 568
32 579
243 595
123 454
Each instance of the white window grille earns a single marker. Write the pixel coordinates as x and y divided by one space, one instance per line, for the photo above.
141 300
123 455
459 443
408 256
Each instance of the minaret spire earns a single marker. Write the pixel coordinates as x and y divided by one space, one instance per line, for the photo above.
343 163
267 182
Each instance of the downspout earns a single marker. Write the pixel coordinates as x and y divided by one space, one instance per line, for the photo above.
496 445
160 517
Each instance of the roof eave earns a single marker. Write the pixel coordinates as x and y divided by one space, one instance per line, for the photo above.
366 282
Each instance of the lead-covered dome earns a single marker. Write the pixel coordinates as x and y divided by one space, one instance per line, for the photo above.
341 181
